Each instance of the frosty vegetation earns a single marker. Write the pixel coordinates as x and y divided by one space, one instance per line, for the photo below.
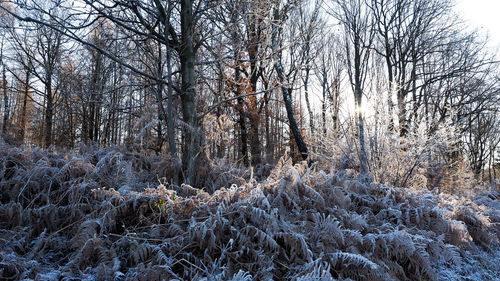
67 216
247 140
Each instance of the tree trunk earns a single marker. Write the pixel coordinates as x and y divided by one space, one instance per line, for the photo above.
358 95
241 120
160 109
269 144
403 123
25 105
85 130
323 111
287 98
299 140
253 115
191 149
170 102
242 152
286 91
361 136
243 135
91 114
308 104
170 118
390 78
5 105
334 100
255 145
49 112
253 112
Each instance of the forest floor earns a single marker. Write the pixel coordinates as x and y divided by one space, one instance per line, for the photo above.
103 214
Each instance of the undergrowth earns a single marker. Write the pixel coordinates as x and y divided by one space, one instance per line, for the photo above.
104 215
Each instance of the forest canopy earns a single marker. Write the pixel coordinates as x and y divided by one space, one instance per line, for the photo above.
245 81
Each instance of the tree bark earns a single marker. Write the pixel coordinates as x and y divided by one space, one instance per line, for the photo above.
286 91
241 111
25 105
191 149
403 122
287 98
299 140
49 111
308 104
5 104
253 114
358 95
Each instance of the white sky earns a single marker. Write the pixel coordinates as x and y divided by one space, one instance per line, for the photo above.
483 15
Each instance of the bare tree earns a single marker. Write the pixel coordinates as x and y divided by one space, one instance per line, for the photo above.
357 23
39 50
280 13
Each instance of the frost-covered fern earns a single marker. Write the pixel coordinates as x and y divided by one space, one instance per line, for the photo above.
104 215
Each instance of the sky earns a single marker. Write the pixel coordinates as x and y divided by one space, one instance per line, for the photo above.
483 15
